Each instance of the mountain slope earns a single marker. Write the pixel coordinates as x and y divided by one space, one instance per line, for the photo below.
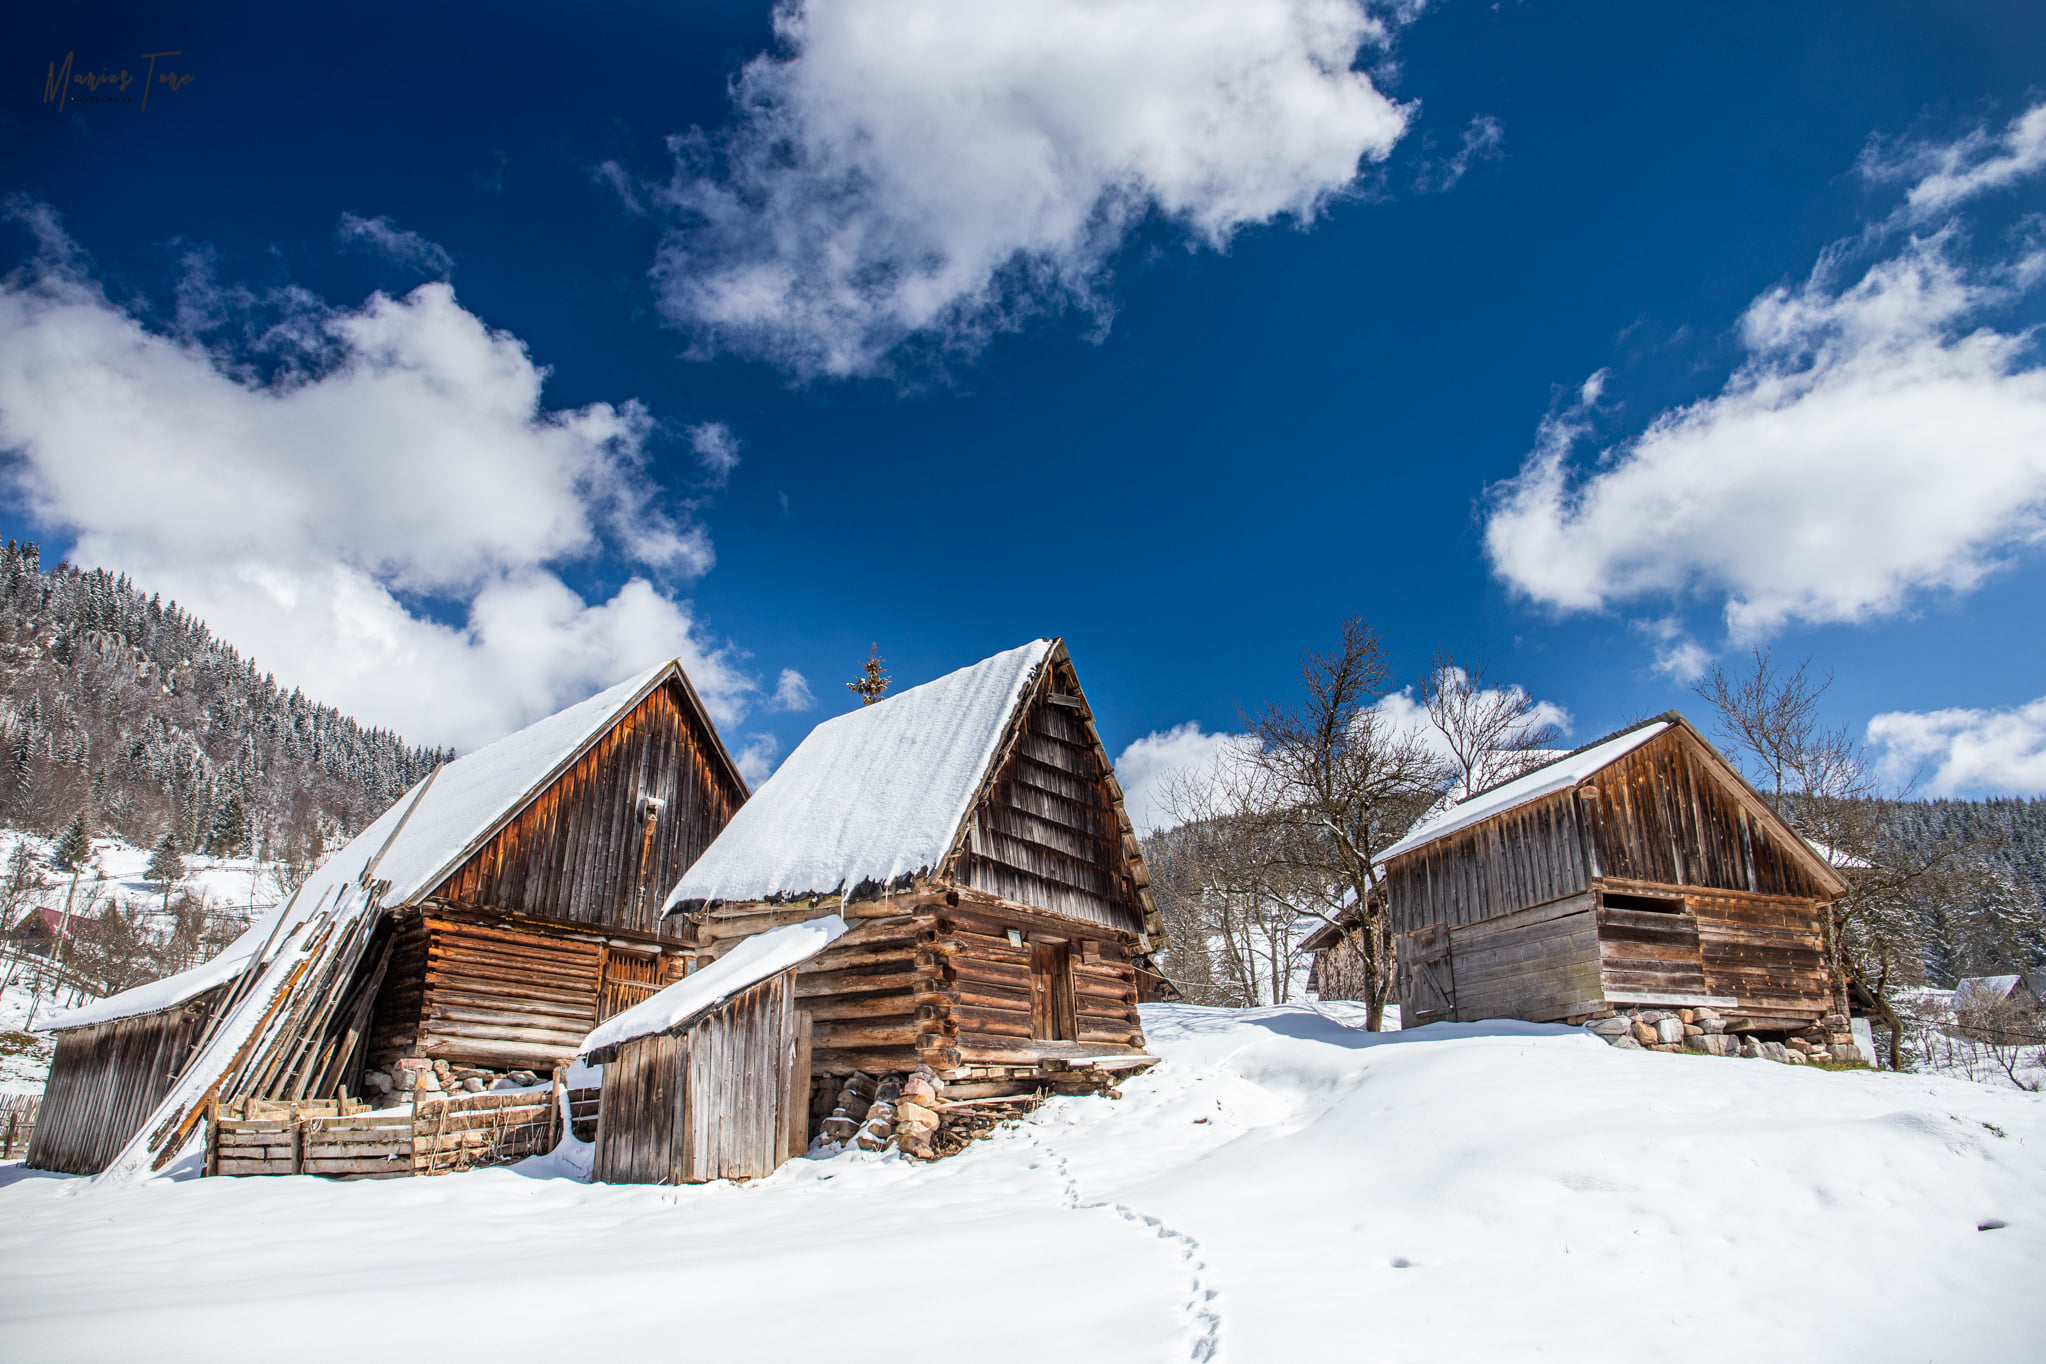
116 704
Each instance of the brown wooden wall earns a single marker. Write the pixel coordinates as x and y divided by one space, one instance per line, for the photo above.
106 1079
1768 953
1047 833
711 1103
1660 814
1525 856
507 999
582 851
1006 1004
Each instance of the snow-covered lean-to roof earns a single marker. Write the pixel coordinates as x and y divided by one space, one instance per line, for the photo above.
752 961
1559 775
872 796
414 845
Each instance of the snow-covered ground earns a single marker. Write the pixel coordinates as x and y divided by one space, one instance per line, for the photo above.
1283 1187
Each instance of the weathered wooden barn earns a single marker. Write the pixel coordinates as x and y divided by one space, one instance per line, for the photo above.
710 1078
972 832
486 922
109 1071
1639 870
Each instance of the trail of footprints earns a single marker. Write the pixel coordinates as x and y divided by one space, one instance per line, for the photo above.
1202 1314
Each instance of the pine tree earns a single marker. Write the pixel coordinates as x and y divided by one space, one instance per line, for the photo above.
165 866
229 836
873 682
75 847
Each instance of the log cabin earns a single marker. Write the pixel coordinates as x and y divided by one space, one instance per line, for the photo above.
486 921
710 1078
972 832
1639 870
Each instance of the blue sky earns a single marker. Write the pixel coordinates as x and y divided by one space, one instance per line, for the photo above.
1181 339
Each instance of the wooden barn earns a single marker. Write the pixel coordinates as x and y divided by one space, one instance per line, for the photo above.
710 1078
1639 870
111 1068
972 832
482 925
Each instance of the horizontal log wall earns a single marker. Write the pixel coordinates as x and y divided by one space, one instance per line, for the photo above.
1649 953
506 1000
583 850
1767 953
1048 833
107 1078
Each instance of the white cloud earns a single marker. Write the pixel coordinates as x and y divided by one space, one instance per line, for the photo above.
381 236
1878 441
792 692
758 758
917 168
329 498
1948 174
1484 139
1148 766
1677 656
1993 752
717 450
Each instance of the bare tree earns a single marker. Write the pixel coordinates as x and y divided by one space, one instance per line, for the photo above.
1493 734
1345 782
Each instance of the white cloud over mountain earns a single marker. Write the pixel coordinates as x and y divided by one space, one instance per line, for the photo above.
1963 751
374 502
905 169
1881 439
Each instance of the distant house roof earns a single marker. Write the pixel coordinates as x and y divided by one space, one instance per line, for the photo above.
872 797
415 844
1559 775
752 961
53 922
1988 991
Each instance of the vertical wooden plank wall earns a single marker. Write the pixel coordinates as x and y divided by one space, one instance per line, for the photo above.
582 853
711 1103
106 1079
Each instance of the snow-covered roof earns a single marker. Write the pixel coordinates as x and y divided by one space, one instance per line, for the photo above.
752 961
171 990
1989 989
871 796
1840 861
414 845
1560 775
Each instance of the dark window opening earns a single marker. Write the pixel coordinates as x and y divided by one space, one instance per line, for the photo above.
1648 904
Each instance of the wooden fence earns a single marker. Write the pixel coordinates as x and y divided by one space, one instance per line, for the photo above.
17 1123
441 1136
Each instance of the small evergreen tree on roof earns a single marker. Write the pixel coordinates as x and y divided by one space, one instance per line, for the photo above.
872 682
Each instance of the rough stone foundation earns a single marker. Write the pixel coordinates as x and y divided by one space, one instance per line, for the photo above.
1704 1031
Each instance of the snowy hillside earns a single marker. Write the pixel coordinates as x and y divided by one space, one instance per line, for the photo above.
116 873
1283 1187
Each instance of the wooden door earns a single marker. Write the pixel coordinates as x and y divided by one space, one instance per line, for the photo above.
1051 992
1429 975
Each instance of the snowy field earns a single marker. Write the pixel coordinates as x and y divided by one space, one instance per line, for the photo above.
1283 1187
